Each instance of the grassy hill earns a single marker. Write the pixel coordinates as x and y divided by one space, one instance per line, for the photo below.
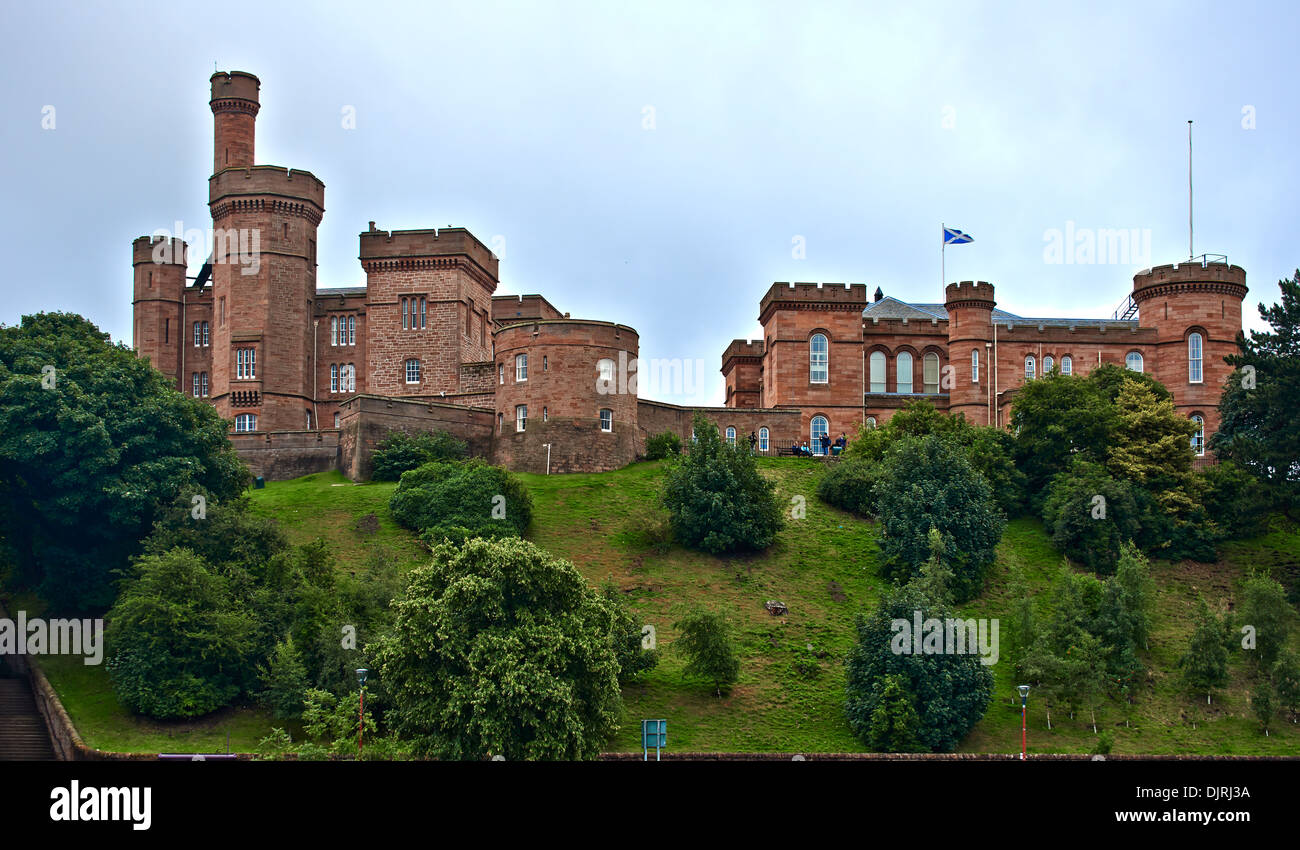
791 692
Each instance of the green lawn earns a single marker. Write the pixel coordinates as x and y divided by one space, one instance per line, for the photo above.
791 692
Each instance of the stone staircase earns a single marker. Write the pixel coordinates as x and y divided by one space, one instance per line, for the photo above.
23 736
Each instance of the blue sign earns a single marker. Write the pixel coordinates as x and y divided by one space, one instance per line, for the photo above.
654 733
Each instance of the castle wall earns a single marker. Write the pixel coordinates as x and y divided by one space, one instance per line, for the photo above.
367 420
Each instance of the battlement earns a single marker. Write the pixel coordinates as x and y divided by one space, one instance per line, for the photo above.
741 348
236 91
966 291
1198 273
507 309
849 295
580 332
267 180
162 250
410 244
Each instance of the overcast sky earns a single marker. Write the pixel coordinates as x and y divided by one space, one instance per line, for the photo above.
661 164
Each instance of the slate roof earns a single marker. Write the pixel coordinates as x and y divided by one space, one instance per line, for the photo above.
891 308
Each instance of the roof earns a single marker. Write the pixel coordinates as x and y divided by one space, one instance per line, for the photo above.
892 308
340 290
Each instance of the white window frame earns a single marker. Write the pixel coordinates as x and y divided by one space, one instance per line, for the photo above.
814 443
1195 358
605 370
405 303
334 331
196 384
819 371
352 330
975 366
245 422
521 367
607 420
198 333
1141 362
1048 362
203 384
334 377
501 373
1067 365
879 366
521 418
764 439
1031 367
731 435
899 371
1198 439
412 367
926 384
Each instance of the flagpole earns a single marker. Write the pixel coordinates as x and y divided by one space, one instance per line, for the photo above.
943 270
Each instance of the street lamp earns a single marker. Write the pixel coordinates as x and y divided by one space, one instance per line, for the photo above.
1024 700
361 711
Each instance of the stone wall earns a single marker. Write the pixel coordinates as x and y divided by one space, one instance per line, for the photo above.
367 420
281 455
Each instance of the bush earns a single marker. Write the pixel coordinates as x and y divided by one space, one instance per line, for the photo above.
1089 530
716 498
705 639
284 680
458 501
178 643
402 452
663 445
927 482
1234 499
848 485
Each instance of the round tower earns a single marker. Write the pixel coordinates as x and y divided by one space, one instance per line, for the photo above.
234 103
1195 308
159 279
573 383
970 335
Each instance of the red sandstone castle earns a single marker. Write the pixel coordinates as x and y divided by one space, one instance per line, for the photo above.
313 378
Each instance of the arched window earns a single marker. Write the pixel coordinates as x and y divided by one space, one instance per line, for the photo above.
1048 363
762 439
871 421
930 372
731 436
878 371
1067 365
334 330
1031 367
975 366
819 429
903 372
817 360
1198 439
1133 362
1194 358
606 419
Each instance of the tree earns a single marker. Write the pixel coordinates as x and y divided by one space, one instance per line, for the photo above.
498 648
633 658
1137 591
93 443
1264 607
705 639
950 691
662 445
401 452
894 722
1056 419
462 500
1258 428
1286 679
717 500
1263 703
1205 664
1152 447
284 681
927 482
178 643
1090 514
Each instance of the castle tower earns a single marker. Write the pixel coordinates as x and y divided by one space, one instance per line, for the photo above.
159 282
264 221
1195 307
970 326
742 369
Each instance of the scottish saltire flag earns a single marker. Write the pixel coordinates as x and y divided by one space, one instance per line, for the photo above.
955 237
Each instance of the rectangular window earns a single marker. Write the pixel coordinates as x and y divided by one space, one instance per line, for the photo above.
196 384
334 330
545 415
203 383
545 365
521 367
352 330
413 371
334 377
975 366
245 363
521 416
205 334
424 312
930 372
198 334
606 419
167 330
336 420
501 373
246 422
222 312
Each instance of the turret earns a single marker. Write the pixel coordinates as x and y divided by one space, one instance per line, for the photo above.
235 102
158 265
970 325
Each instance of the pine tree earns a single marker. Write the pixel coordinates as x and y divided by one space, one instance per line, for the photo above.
894 721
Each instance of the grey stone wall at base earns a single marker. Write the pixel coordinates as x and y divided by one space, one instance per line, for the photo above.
280 455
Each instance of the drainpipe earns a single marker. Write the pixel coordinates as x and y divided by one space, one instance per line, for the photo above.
988 385
315 354
180 378
548 458
997 401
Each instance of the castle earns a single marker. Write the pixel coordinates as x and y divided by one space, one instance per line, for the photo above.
313 378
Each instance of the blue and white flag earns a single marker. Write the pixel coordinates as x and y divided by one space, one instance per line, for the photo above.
955 237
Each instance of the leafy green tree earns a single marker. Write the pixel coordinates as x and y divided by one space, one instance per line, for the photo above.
1286 679
925 483
284 681
1023 622
1152 447
1090 514
401 452
716 498
1137 592
1263 703
497 648
462 500
1205 663
1264 606
950 691
705 638
1236 501
1056 419
633 658
894 722
94 442
662 445
1258 428
177 642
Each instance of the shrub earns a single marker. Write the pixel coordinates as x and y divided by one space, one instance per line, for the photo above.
625 633
402 452
717 500
848 485
663 445
460 501
1087 529
925 483
178 644
704 637
1234 499
284 680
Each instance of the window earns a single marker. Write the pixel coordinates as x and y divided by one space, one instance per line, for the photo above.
246 422
545 365
334 377
903 372
501 373
500 422
1031 368
405 319
930 372
1194 359
606 419
336 420
605 369
196 384
167 330
334 330
819 429
413 371
817 360
521 367
871 421
352 330
205 334
198 334
1048 363
877 371
763 439
1067 365
731 436
1198 439
308 420
545 415
1133 362
521 416
975 366
424 312
245 363
352 378
203 384
221 313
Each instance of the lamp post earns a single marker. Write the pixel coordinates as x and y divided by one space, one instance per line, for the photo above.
361 711
1024 700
